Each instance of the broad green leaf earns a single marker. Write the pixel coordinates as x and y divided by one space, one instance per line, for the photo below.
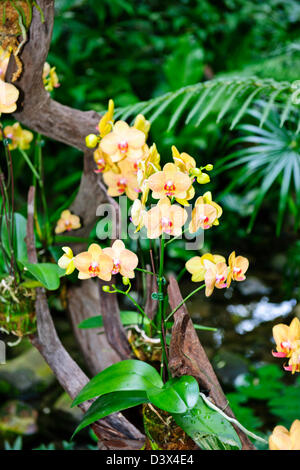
208 429
111 403
125 375
47 274
177 395
127 318
20 248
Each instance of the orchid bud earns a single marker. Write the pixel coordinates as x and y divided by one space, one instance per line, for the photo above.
91 141
209 167
203 178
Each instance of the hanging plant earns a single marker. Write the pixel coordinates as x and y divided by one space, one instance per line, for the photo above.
15 20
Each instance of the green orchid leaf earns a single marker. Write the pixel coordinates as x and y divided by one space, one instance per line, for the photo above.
48 274
208 429
177 395
111 403
127 318
19 236
130 374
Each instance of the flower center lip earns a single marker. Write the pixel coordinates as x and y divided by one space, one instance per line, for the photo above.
94 269
68 225
122 184
116 267
166 224
169 187
100 164
123 146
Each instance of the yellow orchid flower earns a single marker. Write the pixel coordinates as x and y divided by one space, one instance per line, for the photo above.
206 213
169 182
287 338
237 268
50 77
138 214
67 222
203 216
123 182
66 261
147 167
215 276
9 95
122 142
4 59
20 138
196 266
142 124
124 261
207 199
282 439
165 218
106 122
294 362
94 263
183 161
103 162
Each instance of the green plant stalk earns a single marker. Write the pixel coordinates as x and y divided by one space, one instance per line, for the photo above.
29 163
119 291
39 158
176 238
160 320
183 301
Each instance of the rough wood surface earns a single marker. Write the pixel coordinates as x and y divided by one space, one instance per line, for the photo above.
188 357
83 303
114 330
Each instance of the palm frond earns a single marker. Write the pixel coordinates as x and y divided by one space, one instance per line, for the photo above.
268 157
219 95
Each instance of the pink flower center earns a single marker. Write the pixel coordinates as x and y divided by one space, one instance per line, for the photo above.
121 185
94 269
123 146
286 345
204 219
101 164
220 280
68 225
116 267
170 187
166 224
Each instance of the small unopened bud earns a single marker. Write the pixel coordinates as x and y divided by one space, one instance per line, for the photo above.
91 141
126 281
209 167
105 288
195 172
203 178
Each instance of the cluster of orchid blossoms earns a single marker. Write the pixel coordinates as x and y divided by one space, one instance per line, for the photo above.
287 339
101 263
129 166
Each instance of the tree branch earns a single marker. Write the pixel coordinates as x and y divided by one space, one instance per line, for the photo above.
115 432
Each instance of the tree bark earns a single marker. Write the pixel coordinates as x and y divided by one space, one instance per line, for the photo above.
187 357
114 431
